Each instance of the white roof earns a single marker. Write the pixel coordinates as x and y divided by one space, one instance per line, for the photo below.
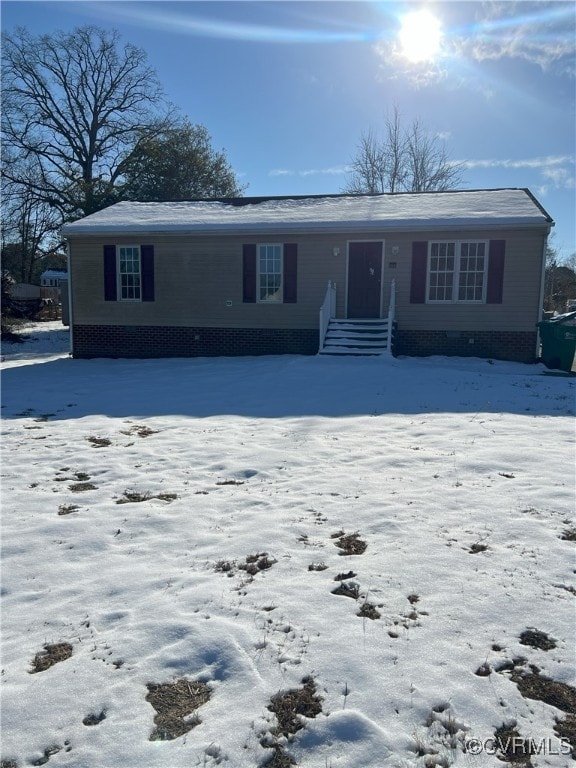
429 210
54 273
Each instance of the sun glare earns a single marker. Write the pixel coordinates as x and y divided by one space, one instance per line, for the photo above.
420 36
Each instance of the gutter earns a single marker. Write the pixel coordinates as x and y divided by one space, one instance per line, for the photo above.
70 308
305 228
541 296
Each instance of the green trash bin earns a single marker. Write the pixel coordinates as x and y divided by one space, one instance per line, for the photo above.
558 337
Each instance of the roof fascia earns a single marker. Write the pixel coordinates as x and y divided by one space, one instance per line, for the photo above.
346 227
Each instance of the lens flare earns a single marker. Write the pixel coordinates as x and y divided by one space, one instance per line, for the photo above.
420 36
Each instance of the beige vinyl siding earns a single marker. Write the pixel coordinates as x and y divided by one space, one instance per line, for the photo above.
519 310
195 277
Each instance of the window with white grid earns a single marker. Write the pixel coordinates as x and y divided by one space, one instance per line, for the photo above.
472 271
441 272
129 273
270 273
457 272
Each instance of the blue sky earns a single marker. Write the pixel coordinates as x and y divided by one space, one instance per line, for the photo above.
288 88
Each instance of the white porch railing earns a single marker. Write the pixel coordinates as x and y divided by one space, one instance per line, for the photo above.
327 311
391 314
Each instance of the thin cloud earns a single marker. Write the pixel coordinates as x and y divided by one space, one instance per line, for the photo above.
544 37
561 178
201 24
337 170
541 34
395 66
546 162
557 171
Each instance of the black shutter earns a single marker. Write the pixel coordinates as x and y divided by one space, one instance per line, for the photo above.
290 273
110 280
249 273
495 287
147 272
419 266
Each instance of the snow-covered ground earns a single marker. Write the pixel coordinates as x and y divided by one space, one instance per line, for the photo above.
457 474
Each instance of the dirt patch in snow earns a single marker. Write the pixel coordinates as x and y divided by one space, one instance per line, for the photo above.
174 703
135 497
99 442
566 730
291 706
347 589
94 719
369 611
349 543
80 487
252 564
67 509
140 430
533 685
512 748
535 638
261 561
52 654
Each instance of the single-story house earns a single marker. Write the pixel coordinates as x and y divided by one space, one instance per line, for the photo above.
51 278
449 273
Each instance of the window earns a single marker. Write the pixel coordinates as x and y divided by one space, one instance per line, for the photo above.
128 273
270 273
457 271
441 273
129 277
472 272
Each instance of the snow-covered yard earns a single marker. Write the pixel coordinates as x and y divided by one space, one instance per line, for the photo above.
190 522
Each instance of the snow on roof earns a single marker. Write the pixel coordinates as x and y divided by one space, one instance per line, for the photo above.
54 273
493 207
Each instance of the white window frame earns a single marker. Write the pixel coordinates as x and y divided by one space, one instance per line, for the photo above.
456 272
119 274
259 272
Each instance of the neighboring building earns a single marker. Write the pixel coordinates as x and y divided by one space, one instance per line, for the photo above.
24 291
462 273
51 278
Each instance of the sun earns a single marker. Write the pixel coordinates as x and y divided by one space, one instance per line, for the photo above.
420 36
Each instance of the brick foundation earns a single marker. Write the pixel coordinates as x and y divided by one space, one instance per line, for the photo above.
175 341
518 346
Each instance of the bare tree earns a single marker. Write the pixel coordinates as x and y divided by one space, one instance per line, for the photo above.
29 225
402 160
368 167
75 103
29 241
559 281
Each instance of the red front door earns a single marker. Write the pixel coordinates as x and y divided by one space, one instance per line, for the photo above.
364 279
